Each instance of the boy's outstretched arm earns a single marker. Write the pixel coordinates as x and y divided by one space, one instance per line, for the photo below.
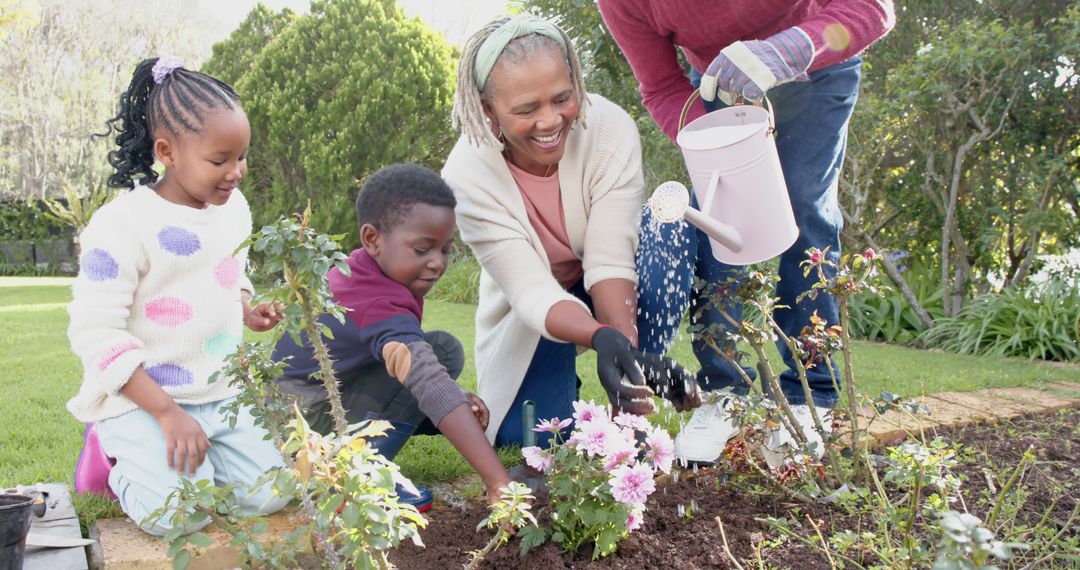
441 400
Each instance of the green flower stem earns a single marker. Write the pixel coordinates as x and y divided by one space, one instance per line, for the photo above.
1026 460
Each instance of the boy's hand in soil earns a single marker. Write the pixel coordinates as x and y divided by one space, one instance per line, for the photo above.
670 380
479 409
261 317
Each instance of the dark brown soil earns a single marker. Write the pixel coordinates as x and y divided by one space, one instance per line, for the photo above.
671 540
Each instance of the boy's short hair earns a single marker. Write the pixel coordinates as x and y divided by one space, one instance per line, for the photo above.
387 195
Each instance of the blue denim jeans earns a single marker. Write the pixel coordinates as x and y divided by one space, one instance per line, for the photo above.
811 123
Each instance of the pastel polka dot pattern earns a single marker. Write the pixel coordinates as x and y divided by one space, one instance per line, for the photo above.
221 345
168 375
178 241
227 272
114 353
98 265
168 311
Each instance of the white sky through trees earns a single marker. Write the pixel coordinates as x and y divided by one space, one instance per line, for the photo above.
456 19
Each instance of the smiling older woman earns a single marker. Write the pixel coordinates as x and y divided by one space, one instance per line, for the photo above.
551 206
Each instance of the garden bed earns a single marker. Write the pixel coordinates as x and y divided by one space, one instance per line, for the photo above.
680 529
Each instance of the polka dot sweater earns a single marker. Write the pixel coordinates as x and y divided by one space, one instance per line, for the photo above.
158 286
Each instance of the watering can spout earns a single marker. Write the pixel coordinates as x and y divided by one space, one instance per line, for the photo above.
719 231
671 202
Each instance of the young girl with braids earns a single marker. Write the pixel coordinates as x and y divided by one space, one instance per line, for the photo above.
161 295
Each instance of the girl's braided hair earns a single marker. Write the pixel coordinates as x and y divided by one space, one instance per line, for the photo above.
468 113
178 104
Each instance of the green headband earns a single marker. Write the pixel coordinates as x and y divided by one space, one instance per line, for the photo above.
515 27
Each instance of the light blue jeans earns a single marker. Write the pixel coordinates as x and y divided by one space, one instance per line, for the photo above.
142 479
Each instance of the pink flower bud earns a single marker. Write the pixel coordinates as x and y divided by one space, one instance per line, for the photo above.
815 256
869 254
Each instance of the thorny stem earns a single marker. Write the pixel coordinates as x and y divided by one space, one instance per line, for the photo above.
769 377
857 442
275 431
326 370
711 343
727 548
807 393
786 417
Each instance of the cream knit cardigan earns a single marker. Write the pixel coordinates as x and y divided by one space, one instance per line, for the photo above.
601 184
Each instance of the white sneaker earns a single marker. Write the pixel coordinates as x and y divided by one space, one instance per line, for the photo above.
780 444
703 438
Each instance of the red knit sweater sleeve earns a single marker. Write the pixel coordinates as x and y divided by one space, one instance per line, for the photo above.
846 27
664 87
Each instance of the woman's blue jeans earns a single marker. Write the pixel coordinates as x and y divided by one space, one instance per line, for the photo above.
811 122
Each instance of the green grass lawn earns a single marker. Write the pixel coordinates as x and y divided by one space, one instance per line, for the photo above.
40 440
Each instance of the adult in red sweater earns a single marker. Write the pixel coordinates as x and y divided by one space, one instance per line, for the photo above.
804 54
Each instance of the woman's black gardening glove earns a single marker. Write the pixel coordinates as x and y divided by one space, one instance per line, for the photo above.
670 380
619 373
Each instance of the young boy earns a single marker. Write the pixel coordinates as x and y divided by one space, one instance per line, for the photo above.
387 366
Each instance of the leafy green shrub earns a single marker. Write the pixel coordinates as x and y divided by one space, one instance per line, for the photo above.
24 220
460 283
29 270
1035 322
888 316
332 97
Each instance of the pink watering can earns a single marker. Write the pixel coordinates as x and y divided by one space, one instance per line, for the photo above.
93 467
735 171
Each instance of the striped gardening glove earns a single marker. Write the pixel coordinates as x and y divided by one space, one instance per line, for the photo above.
748 69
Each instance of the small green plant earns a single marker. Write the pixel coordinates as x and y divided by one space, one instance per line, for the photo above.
512 512
967 545
599 477
346 489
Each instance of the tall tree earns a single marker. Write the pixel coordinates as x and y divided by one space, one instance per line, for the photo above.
65 64
337 93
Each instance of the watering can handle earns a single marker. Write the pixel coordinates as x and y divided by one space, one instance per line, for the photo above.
693 96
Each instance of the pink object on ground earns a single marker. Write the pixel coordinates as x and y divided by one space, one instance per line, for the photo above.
93 467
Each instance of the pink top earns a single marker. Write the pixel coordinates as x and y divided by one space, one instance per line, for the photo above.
648 31
543 203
